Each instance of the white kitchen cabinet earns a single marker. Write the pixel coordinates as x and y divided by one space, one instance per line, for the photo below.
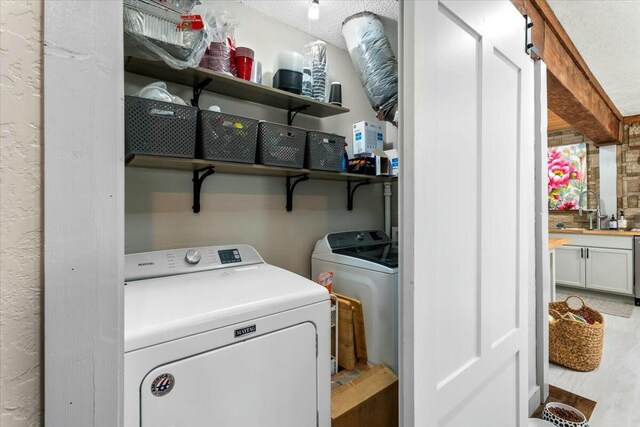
570 266
609 270
596 268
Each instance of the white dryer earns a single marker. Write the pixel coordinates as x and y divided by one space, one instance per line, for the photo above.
365 267
214 336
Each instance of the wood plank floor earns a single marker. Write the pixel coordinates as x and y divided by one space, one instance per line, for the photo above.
615 385
556 394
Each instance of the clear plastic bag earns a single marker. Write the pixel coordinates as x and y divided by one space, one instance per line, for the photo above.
153 32
374 62
181 6
220 54
316 60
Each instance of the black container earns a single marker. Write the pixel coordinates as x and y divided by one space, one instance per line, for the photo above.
227 137
280 145
325 151
288 80
159 128
335 94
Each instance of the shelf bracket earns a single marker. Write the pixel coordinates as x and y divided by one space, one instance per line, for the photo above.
292 113
198 178
291 187
197 90
352 191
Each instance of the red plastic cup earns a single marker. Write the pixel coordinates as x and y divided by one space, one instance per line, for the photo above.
244 62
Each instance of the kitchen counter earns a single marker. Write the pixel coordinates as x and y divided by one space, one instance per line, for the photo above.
600 232
556 243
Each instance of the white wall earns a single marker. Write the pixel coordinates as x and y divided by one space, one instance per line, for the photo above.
251 209
608 180
20 213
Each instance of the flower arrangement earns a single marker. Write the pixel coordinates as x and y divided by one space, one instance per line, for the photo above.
567 167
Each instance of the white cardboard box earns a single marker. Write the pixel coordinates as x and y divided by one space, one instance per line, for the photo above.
387 162
367 137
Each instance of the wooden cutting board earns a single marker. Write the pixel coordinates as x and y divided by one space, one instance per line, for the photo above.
357 322
346 335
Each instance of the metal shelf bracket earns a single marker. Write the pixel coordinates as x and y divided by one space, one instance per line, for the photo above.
352 191
198 178
291 187
197 90
292 113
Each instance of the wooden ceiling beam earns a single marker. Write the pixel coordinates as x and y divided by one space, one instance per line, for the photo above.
573 92
554 25
556 123
632 119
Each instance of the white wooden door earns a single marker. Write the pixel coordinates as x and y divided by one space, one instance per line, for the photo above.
570 270
467 209
610 270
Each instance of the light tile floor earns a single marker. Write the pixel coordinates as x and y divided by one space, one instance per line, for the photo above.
615 385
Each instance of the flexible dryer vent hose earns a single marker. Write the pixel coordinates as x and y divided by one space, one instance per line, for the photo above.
374 62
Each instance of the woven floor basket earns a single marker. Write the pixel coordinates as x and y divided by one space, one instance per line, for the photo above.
574 344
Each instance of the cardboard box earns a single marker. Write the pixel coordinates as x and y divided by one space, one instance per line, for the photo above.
370 400
387 162
362 166
367 137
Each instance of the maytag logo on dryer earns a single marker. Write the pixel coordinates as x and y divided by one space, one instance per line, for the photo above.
144 264
162 385
245 331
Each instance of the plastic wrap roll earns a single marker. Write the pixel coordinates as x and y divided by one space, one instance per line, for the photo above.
374 61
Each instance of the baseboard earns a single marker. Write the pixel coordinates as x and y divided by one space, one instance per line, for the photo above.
534 399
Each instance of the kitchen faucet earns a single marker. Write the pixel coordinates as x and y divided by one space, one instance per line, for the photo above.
598 216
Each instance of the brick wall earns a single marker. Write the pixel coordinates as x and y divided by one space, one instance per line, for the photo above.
628 185
629 174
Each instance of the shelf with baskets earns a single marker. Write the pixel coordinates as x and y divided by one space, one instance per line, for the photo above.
200 167
203 79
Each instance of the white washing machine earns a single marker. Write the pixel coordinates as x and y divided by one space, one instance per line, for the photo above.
365 267
214 336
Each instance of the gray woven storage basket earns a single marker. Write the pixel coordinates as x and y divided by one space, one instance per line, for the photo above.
159 128
325 151
227 137
281 145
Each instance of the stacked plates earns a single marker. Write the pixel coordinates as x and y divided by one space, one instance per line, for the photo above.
319 80
307 87
316 58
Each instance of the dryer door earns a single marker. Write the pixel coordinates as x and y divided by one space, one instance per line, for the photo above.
267 381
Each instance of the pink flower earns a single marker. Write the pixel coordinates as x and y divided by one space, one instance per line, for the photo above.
560 172
553 155
567 205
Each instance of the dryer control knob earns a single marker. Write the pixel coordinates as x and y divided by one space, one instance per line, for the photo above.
360 236
192 256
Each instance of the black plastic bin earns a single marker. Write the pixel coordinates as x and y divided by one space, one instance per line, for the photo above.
159 128
325 151
281 145
227 137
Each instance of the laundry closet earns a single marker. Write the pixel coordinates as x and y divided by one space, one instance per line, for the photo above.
130 267
220 212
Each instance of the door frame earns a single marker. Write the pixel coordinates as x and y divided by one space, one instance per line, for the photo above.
83 85
85 191
543 259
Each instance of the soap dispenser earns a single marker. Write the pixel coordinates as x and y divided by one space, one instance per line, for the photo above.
622 223
613 224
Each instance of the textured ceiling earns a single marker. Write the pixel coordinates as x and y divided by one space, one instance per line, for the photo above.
332 14
607 34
